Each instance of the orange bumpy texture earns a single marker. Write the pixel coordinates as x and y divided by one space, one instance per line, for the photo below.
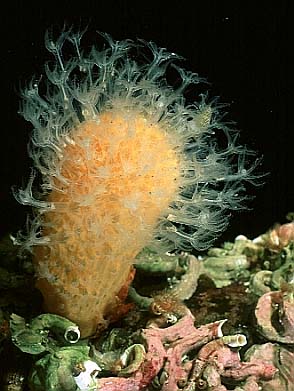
121 172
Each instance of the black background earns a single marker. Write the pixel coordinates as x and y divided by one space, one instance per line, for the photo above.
242 47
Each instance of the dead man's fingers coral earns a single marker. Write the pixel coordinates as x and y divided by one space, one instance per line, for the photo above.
125 163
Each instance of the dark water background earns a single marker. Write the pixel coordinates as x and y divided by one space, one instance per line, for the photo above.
242 48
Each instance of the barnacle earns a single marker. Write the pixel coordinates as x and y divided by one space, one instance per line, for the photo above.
125 163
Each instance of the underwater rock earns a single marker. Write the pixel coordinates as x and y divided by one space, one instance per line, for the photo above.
275 316
226 269
280 236
281 358
164 361
217 365
64 370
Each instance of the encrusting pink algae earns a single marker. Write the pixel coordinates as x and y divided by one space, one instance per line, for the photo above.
125 163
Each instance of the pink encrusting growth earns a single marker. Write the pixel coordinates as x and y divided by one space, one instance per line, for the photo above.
125 164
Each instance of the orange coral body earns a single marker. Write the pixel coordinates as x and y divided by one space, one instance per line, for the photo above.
120 173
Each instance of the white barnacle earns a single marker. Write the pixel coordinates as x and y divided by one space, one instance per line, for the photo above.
235 341
86 380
